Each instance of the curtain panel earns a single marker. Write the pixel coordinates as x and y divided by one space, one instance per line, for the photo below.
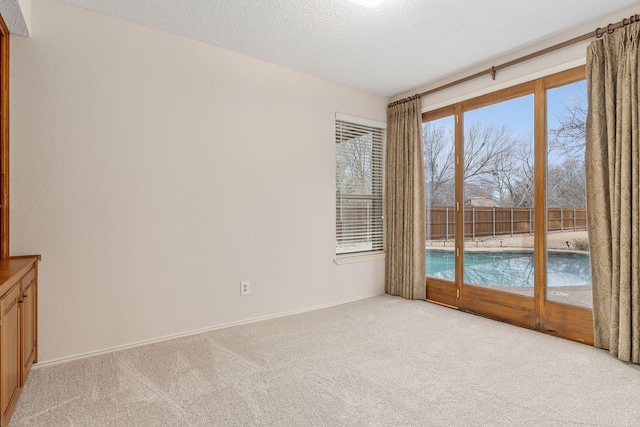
405 271
613 202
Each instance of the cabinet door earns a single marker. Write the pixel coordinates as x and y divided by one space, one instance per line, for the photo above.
9 351
29 301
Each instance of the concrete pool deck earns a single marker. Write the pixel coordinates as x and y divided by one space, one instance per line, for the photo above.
555 240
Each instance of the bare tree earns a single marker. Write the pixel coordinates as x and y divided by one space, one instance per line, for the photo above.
439 168
354 165
483 147
496 166
568 137
566 183
513 177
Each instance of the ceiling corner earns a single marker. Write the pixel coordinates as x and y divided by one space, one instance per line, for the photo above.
17 16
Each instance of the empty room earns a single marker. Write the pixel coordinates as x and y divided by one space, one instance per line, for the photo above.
319 213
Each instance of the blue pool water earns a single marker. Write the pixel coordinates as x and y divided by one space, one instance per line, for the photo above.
511 268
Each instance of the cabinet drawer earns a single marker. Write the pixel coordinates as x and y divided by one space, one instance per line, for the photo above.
29 277
9 300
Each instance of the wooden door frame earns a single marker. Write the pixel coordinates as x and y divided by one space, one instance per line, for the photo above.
538 313
563 320
439 291
4 139
508 307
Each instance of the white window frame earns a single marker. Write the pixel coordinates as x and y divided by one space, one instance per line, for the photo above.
371 243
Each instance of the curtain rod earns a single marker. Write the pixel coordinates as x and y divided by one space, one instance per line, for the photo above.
599 32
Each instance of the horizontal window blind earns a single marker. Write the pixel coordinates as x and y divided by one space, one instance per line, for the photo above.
359 187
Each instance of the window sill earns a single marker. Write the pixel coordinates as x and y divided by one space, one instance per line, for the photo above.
349 259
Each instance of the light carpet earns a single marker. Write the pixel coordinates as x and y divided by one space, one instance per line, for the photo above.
382 361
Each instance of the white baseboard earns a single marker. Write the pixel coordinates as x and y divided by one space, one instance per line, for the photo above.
194 332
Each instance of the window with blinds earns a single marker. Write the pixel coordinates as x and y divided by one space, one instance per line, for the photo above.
359 185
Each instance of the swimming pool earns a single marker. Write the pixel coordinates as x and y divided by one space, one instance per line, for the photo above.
511 268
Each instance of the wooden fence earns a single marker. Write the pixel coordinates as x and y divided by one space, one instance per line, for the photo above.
494 221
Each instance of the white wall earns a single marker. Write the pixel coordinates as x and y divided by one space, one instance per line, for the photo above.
555 62
154 173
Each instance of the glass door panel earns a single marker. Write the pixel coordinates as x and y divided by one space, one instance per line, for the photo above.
490 163
439 174
568 264
498 184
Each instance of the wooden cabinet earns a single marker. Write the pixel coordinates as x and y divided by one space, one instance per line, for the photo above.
29 323
18 329
9 351
18 275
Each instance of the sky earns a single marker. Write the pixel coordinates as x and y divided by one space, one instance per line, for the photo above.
517 113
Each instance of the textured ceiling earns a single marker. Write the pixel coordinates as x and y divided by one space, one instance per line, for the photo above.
12 15
398 46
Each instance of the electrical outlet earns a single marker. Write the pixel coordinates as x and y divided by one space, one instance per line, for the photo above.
245 288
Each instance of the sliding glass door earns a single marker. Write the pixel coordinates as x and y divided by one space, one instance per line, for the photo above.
568 264
439 172
567 299
498 205
506 218
498 196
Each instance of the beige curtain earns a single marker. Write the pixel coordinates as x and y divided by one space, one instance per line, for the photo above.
613 201
404 196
